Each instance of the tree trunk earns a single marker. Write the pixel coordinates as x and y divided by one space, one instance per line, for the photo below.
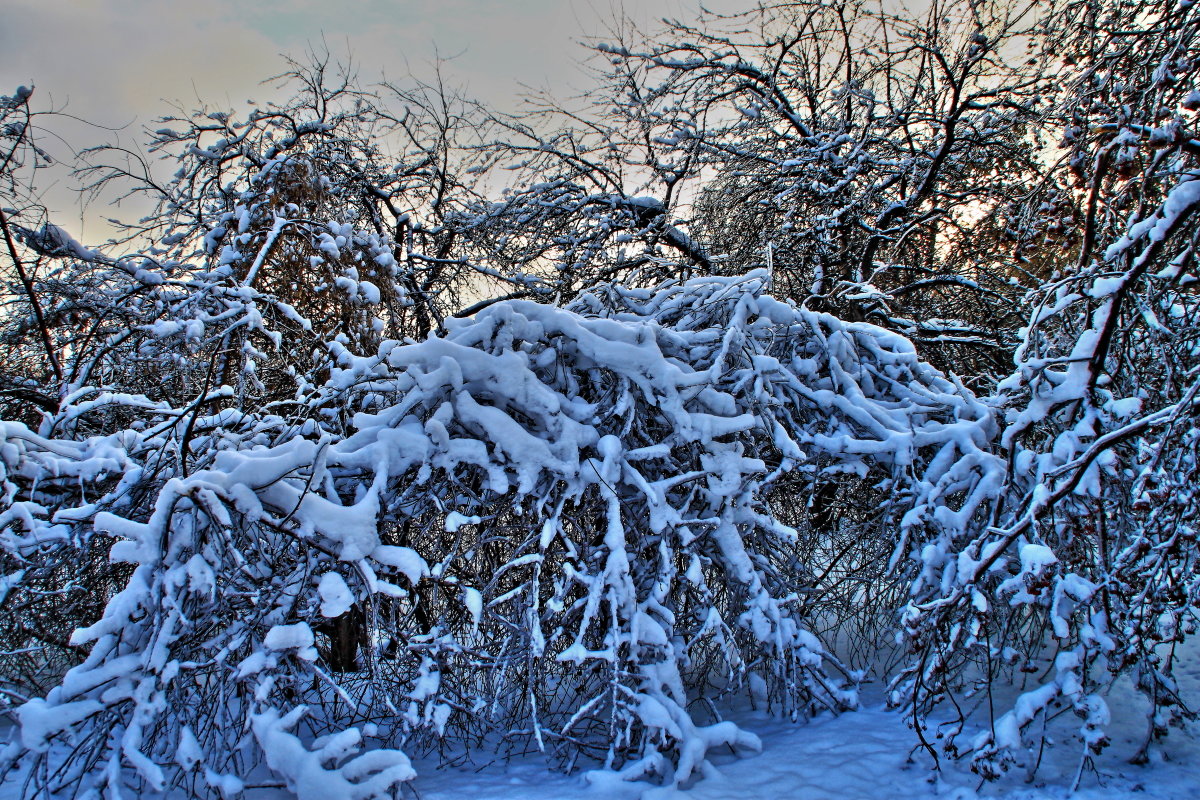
346 632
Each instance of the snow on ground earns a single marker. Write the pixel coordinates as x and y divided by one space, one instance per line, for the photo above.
868 755
857 756
862 755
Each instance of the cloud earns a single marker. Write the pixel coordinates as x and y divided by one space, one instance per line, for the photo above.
117 61
126 62
121 58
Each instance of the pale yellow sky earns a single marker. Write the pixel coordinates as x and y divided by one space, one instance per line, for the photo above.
120 63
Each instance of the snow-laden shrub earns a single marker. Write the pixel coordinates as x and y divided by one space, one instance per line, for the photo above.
1085 569
548 527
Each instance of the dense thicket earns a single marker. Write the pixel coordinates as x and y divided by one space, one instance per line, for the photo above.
816 342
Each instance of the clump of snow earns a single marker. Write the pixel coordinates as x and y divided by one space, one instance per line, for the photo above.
336 597
297 636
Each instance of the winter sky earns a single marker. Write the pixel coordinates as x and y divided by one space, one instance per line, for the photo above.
120 63
119 58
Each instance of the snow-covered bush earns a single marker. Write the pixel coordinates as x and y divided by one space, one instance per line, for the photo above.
1085 568
248 526
550 527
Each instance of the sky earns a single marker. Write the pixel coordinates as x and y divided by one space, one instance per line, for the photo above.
122 63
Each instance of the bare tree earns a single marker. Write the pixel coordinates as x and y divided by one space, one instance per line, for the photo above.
860 153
